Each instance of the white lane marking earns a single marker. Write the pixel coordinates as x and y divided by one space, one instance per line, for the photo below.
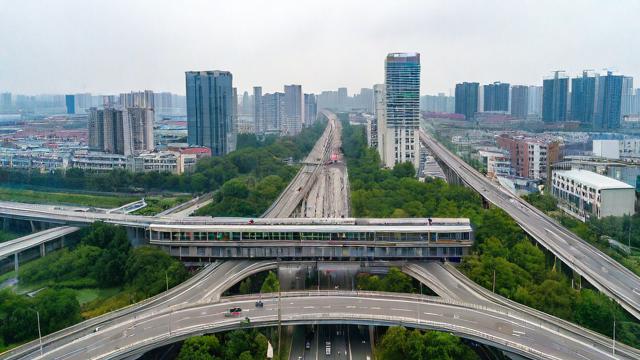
309 307
351 307
432 314
375 308
405 310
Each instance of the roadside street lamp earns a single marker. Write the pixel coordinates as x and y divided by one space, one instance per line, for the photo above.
39 330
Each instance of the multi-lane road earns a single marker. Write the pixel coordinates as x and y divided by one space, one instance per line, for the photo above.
205 287
600 270
482 324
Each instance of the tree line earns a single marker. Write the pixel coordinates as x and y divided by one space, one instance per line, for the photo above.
104 258
254 157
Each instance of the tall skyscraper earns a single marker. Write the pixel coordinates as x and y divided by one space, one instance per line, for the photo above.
5 101
258 116
496 97
379 132
70 102
343 99
273 112
519 101
246 104
583 96
535 100
555 92
141 120
627 96
293 110
402 96
310 109
110 131
210 111
608 102
467 99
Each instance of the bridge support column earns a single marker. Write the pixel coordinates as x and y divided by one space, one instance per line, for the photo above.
5 224
42 250
33 226
15 263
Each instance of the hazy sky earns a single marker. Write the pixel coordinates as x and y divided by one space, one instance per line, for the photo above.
111 46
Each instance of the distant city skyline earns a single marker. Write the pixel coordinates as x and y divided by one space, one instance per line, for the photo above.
320 45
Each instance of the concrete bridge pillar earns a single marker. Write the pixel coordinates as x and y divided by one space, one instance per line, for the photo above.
15 263
42 250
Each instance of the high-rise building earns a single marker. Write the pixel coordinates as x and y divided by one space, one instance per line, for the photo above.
210 111
143 99
496 97
583 96
555 92
627 96
273 112
343 99
310 109
608 102
5 101
70 102
246 104
110 131
293 110
378 132
438 103
535 100
141 120
258 115
520 101
402 97
467 99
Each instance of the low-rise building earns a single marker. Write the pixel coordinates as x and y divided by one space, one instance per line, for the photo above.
497 163
585 194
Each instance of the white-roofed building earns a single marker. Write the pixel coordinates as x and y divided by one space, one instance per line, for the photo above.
585 194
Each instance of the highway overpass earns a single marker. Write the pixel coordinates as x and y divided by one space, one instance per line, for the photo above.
482 324
604 273
205 287
45 240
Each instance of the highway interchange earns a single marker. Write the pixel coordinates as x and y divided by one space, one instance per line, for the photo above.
196 306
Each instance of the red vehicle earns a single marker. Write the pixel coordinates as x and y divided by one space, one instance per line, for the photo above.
233 312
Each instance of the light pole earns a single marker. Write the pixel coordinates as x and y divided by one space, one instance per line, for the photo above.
39 331
166 278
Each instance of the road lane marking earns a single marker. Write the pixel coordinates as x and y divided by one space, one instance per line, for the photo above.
405 310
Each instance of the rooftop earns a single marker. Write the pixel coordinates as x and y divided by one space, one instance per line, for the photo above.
596 181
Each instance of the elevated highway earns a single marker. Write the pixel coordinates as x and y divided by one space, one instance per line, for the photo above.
604 273
482 324
446 281
39 239
205 287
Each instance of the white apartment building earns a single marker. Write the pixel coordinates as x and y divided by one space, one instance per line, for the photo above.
628 149
585 194
497 163
380 119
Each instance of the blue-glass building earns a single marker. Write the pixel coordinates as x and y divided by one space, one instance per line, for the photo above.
496 97
555 93
583 95
402 104
70 101
210 111
467 99
609 102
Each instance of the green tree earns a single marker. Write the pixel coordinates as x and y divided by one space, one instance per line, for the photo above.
205 347
271 283
397 281
147 270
